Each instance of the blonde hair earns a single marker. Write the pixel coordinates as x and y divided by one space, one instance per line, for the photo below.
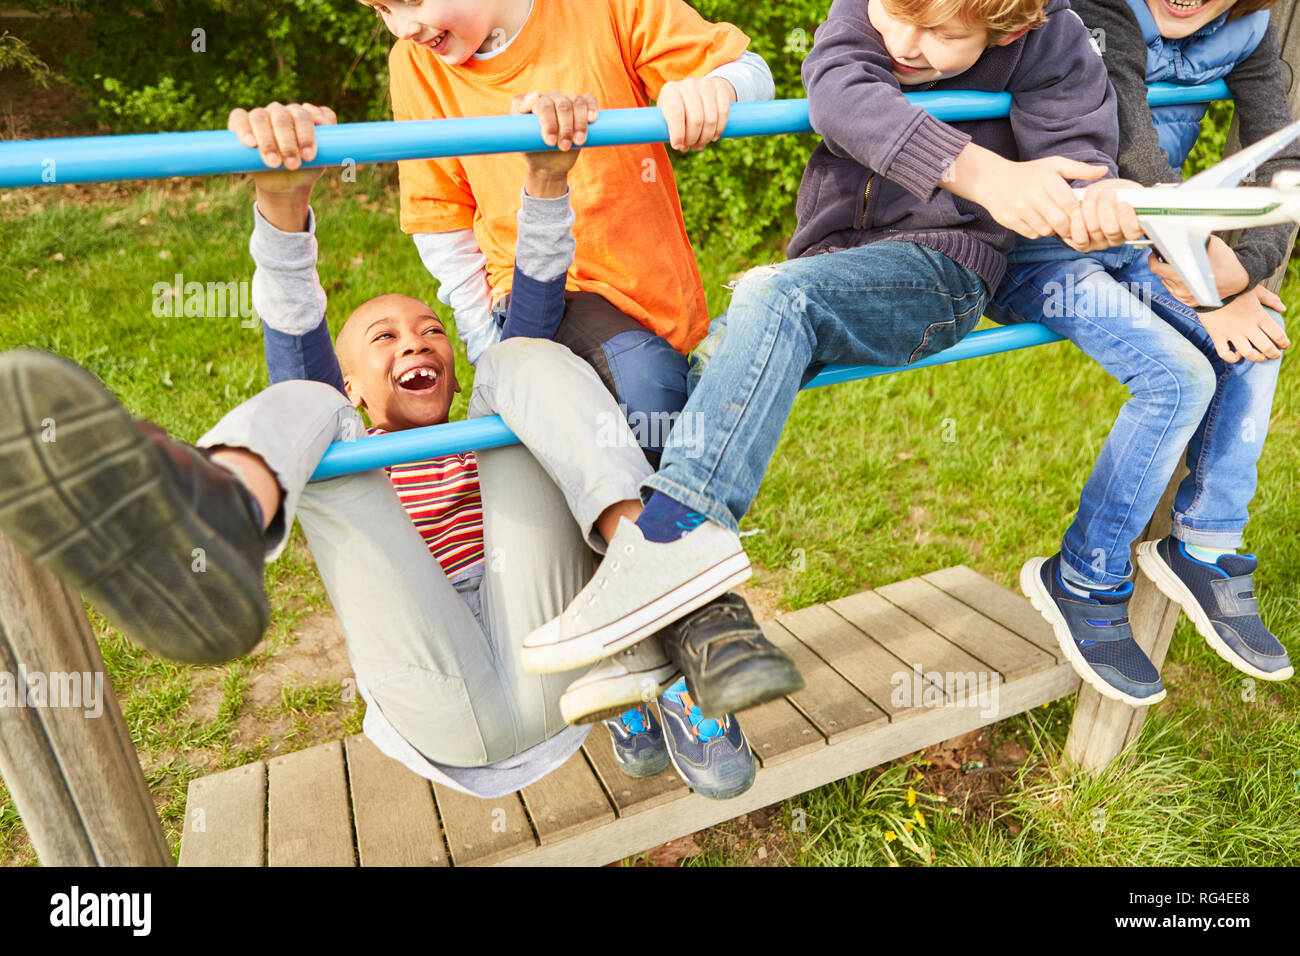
1000 17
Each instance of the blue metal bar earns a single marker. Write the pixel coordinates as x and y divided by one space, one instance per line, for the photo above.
100 158
415 444
45 162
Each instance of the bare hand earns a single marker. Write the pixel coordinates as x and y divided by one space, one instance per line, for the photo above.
1242 329
696 110
282 134
1101 221
1229 274
563 120
1033 199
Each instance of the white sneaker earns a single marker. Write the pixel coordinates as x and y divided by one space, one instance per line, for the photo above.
640 587
636 676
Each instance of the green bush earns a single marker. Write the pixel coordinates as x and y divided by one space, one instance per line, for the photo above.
152 65
139 68
744 189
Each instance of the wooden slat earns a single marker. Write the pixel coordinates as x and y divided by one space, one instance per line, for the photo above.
1011 655
858 660
885 741
225 818
630 795
308 820
396 821
567 801
916 645
994 601
482 832
777 732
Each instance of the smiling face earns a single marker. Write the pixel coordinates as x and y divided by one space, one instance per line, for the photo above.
453 29
1181 18
397 363
924 54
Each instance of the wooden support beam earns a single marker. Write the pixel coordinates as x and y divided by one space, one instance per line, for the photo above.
73 771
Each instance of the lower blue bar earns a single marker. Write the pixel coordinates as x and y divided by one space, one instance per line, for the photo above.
416 444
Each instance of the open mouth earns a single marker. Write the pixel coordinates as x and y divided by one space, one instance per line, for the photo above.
418 381
1185 8
437 44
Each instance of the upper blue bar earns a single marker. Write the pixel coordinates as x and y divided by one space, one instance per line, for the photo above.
46 162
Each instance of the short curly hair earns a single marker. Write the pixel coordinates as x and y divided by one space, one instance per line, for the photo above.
1001 18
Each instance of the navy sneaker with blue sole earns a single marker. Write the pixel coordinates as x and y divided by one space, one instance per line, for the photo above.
639 746
1094 633
1220 600
710 754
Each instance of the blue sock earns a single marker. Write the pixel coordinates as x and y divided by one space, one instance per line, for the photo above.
666 519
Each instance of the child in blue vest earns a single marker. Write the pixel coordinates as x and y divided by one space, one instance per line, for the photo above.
1200 378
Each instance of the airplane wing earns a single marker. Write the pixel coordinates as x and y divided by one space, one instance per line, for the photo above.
1231 171
1184 249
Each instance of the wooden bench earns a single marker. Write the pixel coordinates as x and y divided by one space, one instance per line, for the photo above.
888 672
84 801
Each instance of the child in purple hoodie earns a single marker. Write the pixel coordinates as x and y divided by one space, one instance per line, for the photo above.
905 223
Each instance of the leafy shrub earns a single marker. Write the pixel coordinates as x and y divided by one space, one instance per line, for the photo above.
744 189
138 65
152 65
16 54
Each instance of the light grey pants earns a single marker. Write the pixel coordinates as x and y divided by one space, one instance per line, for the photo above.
448 679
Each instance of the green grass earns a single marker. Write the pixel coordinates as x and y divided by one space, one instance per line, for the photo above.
980 462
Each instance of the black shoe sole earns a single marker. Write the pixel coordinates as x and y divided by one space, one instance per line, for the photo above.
85 495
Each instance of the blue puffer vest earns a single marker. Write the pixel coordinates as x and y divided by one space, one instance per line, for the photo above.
1208 54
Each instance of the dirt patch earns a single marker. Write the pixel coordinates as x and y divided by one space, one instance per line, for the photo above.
973 772
316 656
758 838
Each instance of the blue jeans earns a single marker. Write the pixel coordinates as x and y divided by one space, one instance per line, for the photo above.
888 303
1182 395
646 375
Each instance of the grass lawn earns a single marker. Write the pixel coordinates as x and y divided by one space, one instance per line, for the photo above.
980 462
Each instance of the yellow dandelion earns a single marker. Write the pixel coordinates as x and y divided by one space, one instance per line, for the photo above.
920 817
890 835
911 797
907 827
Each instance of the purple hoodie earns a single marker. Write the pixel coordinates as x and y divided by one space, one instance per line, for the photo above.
876 174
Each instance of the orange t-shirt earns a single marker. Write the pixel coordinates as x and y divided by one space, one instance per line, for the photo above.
632 245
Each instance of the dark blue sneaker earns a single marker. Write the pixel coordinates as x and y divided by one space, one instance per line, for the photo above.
710 754
1094 633
1220 600
639 747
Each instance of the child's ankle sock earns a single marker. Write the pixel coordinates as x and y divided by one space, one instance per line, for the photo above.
1072 583
1207 555
665 519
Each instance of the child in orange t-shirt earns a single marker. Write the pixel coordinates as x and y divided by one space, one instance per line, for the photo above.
635 299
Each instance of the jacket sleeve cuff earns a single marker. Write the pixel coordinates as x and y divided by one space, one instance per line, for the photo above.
926 156
1257 262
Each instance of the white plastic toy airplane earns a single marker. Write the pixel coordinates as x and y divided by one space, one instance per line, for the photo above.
1178 219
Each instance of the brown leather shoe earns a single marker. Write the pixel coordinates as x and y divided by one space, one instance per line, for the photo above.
163 542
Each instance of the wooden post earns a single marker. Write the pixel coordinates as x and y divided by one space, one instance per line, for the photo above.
73 771
1102 728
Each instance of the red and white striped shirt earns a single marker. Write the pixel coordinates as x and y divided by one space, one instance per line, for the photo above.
442 497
